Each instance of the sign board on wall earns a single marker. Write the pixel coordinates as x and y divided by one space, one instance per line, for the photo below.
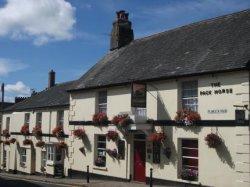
216 89
138 95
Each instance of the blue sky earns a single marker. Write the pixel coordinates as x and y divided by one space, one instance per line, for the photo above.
70 36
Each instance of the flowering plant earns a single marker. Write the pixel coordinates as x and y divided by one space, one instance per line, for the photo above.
42 169
213 140
61 145
121 120
156 137
79 133
112 135
25 130
58 131
6 133
40 144
7 142
112 153
27 142
189 174
100 118
12 140
37 131
100 162
188 117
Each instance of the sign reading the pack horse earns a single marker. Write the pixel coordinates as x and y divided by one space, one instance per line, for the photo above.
138 95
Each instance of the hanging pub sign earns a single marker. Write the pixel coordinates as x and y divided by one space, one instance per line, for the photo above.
138 95
240 117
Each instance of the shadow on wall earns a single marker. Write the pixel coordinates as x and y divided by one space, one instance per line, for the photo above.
87 143
162 112
171 145
224 155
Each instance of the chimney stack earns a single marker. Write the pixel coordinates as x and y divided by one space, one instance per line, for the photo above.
122 33
52 79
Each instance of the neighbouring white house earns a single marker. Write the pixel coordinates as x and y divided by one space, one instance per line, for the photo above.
175 103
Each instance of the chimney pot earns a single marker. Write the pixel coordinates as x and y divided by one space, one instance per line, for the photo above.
52 79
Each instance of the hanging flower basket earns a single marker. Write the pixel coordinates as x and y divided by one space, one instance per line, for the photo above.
42 169
189 174
156 137
27 142
61 145
40 144
213 140
100 118
112 153
12 140
187 117
79 133
112 135
25 130
58 132
122 120
6 133
7 142
100 162
37 131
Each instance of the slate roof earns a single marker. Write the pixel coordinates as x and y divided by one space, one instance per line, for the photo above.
214 45
52 97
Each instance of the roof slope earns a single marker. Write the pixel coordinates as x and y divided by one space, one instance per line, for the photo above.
219 44
52 97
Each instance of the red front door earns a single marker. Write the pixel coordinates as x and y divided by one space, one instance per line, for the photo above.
139 161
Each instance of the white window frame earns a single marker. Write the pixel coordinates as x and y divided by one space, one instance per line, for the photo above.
60 118
102 106
23 155
27 118
101 151
50 152
39 117
189 101
43 158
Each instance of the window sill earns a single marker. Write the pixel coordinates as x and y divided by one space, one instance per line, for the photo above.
100 168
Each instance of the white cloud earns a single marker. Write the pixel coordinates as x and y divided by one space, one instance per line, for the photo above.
7 66
18 89
40 20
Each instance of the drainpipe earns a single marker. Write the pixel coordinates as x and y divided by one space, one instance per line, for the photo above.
2 108
49 124
127 160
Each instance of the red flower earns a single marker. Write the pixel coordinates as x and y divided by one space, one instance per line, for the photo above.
37 131
58 131
121 120
213 140
79 133
156 137
112 135
188 117
27 142
100 118
25 130
61 145
6 133
7 142
40 144
12 140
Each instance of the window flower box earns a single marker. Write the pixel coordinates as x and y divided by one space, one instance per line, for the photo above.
113 153
213 140
12 140
100 118
79 133
37 131
112 135
156 137
61 145
27 142
7 142
122 120
100 162
187 117
25 130
189 174
40 144
6 133
58 132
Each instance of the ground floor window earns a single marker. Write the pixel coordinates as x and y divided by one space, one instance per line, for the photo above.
156 152
101 151
50 149
43 158
23 156
189 159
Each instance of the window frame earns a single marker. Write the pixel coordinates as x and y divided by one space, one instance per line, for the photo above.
189 102
50 153
102 105
23 155
60 118
43 158
27 119
101 150
39 118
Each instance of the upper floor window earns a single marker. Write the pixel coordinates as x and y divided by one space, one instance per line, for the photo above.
39 119
102 101
8 123
60 118
190 95
27 119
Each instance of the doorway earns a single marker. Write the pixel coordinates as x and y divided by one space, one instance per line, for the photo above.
139 161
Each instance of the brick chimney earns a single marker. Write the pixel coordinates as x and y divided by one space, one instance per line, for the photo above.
52 79
122 33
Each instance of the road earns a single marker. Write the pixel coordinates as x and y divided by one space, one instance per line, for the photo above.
9 182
